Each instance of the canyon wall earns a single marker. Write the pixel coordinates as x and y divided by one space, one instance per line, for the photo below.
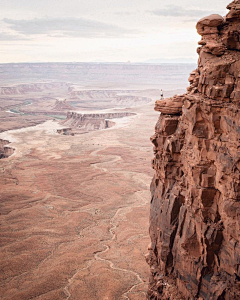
195 206
92 121
22 89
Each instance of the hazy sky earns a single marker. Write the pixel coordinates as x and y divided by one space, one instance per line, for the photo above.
101 30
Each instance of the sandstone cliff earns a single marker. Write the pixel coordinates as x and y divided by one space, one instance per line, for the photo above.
195 207
93 121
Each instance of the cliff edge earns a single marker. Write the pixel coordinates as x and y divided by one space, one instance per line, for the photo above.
195 206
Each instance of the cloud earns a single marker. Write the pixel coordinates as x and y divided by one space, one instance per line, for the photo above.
5 36
67 27
178 11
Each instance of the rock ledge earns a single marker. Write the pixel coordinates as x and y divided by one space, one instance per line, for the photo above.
195 206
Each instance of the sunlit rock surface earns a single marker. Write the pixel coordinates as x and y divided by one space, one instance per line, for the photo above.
85 122
195 207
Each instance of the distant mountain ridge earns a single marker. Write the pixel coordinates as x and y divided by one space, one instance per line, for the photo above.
179 60
104 75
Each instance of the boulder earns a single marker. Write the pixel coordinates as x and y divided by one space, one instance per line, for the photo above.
170 106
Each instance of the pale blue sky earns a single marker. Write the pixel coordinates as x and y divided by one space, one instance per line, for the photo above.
101 30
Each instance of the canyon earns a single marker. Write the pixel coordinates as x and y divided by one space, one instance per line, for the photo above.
74 200
195 206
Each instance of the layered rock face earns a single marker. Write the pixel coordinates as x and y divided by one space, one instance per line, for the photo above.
93 121
4 150
195 207
22 89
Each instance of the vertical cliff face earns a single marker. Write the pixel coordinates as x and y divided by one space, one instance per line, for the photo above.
195 206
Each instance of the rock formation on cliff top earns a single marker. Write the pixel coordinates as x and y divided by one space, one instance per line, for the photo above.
93 120
62 105
195 207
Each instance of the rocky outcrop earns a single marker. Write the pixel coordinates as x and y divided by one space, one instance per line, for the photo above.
171 106
4 150
117 98
195 207
62 105
92 121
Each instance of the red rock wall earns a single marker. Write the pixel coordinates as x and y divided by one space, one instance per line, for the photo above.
195 206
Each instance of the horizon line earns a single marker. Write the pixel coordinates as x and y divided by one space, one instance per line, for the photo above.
96 62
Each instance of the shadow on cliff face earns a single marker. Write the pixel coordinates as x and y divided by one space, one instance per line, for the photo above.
4 150
78 123
195 208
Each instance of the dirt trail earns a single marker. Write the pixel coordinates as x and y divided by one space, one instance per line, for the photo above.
117 218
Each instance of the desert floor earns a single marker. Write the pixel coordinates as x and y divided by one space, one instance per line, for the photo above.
74 211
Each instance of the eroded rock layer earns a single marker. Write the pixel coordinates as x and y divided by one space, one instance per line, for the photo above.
93 121
195 206
4 150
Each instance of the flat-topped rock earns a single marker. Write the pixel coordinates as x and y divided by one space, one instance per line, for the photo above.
209 24
170 106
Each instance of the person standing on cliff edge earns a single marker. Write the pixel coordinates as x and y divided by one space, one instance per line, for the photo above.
161 94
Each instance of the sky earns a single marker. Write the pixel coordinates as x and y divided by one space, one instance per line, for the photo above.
102 30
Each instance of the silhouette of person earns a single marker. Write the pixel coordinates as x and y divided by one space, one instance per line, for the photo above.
161 94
